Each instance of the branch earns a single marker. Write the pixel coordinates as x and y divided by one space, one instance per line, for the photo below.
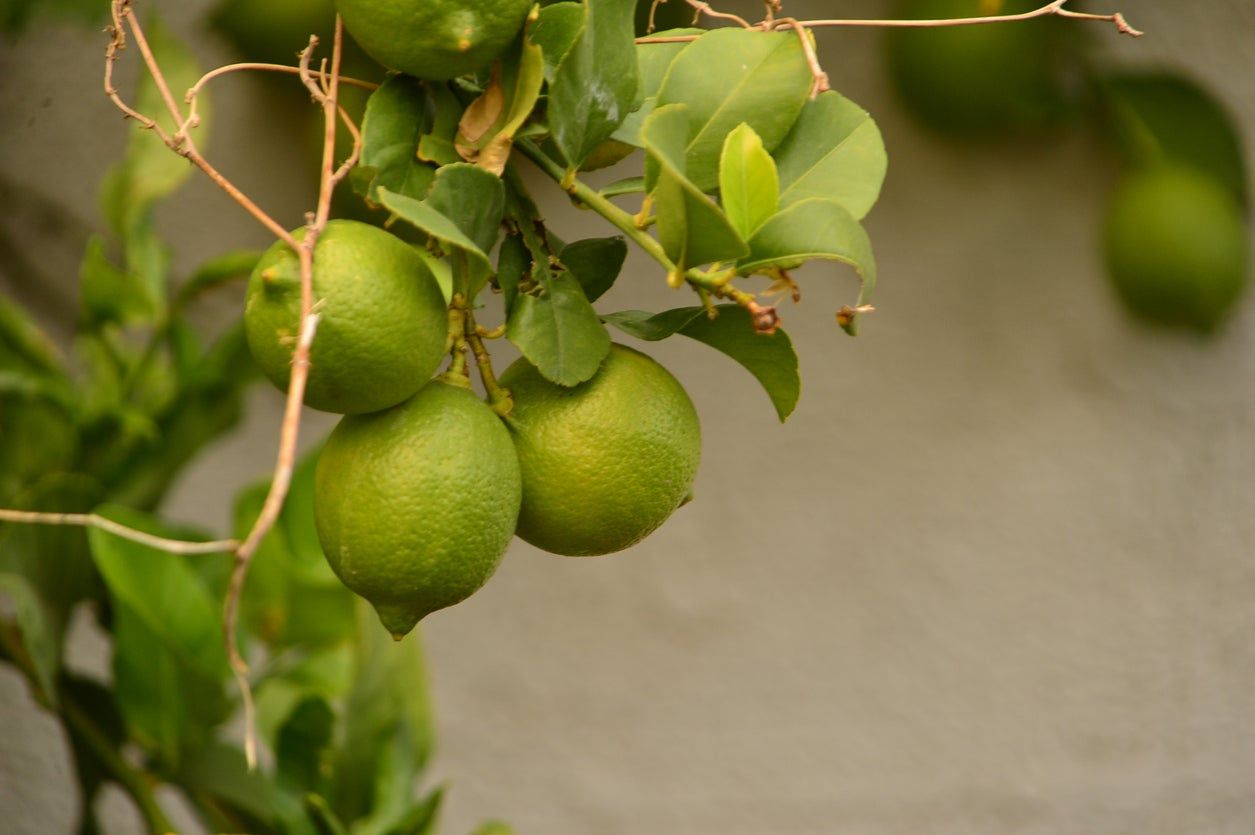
1054 8
326 91
92 520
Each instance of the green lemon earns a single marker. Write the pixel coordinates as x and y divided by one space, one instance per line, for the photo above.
433 39
1176 247
382 326
416 505
974 80
605 462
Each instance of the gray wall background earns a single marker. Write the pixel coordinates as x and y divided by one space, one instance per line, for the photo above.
995 575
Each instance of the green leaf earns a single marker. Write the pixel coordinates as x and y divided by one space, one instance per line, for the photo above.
748 186
834 152
216 272
556 29
473 199
324 819
493 828
653 59
770 358
1162 114
559 331
812 229
23 343
422 818
107 293
165 594
387 706
595 85
513 262
595 263
437 226
765 85
292 598
691 228
303 747
34 623
398 115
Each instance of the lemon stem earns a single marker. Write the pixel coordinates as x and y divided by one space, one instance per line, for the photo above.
498 398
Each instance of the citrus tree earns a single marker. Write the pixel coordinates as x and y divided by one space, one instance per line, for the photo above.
740 164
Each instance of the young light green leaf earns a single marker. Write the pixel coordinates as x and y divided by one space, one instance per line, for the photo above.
420 819
770 358
22 340
595 85
692 229
834 152
595 263
324 819
494 828
559 331
765 85
813 229
35 627
748 186
398 115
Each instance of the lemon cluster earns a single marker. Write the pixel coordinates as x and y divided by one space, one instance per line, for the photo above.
421 486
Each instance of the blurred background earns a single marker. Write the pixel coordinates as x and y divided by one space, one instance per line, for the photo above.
994 575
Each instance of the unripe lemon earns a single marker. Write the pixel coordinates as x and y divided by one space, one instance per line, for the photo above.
605 462
434 39
382 326
976 80
416 505
1176 246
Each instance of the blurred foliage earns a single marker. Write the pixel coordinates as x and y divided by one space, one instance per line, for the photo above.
343 710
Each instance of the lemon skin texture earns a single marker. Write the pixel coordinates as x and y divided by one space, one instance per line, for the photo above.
382 326
977 81
1176 247
415 505
605 462
433 39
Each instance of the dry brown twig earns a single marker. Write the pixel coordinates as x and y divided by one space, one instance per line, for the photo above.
325 90
1055 8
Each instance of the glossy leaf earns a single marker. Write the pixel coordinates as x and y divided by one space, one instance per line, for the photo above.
558 331
436 225
692 229
770 358
765 86
473 199
595 263
834 152
812 229
556 29
653 59
513 262
749 189
398 115
595 85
